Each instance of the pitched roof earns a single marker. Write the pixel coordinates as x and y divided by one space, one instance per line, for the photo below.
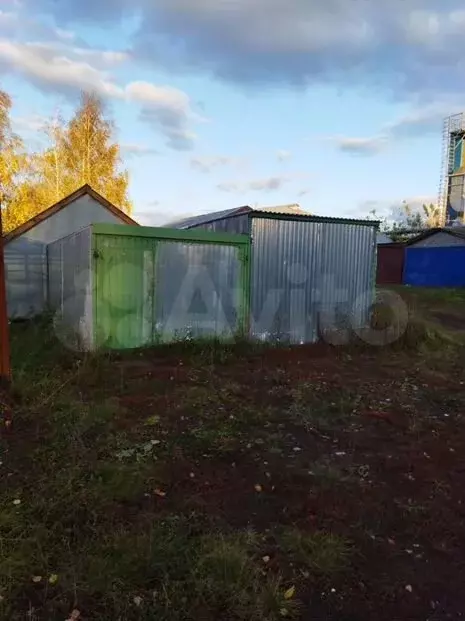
454 231
294 209
64 202
206 218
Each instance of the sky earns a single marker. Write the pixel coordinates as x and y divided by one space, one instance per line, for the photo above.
335 105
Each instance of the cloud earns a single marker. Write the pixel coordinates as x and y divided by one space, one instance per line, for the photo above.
361 146
404 47
166 108
45 65
417 123
283 155
138 150
207 164
48 70
391 209
31 123
267 184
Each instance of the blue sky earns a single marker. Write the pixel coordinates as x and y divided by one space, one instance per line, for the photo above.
337 106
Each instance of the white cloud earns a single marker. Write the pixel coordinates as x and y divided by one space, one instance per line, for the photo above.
283 155
361 146
46 65
167 108
48 70
138 150
392 209
207 164
402 46
267 184
419 122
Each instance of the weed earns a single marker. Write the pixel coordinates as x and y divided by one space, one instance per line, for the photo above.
323 553
311 409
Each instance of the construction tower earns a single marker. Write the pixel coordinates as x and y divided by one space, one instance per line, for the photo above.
452 184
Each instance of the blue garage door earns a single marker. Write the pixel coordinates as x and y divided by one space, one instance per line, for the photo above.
435 267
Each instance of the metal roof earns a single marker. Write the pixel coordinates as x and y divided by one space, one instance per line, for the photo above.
64 202
293 208
206 218
309 218
457 231
284 212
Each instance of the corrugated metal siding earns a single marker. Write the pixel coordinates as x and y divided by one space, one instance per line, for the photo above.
390 265
197 290
235 224
308 276
26 256
347 274
25 275
70 288
435 267
439 240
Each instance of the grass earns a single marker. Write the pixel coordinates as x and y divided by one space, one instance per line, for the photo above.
314 409
218 494
321 552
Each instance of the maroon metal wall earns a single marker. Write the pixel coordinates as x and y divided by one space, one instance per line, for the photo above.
390 265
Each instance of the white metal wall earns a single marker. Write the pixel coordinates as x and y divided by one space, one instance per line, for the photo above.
310 276
70 287
196 290
25 256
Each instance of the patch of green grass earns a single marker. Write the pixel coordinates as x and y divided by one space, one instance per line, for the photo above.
322 553
319 410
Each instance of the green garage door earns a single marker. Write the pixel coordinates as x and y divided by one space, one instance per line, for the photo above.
123 291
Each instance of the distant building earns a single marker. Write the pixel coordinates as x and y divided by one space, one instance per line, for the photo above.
452 182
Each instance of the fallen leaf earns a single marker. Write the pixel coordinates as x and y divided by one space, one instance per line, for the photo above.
137 600
409 588
266 559
53 579
75 614
36 578
17 501
289 594
258 488
158 492
283 612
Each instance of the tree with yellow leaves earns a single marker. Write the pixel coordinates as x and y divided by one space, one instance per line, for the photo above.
79 152
14 171
82 151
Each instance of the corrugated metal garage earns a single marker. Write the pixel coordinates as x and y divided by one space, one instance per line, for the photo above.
309 274
25 247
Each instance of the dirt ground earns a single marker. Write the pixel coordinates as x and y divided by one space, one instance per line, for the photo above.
363 446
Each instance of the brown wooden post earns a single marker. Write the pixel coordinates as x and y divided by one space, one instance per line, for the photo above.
5 368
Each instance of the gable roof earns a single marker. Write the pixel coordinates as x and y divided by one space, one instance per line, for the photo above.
64 202
206 218
454 231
